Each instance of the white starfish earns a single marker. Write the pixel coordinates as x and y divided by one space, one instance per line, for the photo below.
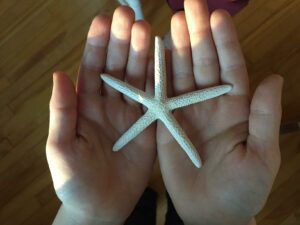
160 107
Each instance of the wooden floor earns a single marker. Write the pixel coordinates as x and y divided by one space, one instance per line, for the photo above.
39 37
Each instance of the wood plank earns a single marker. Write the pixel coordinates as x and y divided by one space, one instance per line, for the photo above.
23 205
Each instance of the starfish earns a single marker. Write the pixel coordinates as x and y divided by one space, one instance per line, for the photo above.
160 106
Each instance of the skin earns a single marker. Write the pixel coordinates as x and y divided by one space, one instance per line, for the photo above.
236 134
101 186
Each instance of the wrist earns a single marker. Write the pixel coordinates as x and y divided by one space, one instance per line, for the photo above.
68 216
250 222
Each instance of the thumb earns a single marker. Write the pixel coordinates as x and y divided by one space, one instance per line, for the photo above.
265 113
63 110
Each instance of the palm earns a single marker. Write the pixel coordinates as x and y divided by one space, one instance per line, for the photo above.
108 180
87 175
237 141
230 175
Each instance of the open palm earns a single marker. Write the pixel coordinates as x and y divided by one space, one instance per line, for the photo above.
85 123
237 138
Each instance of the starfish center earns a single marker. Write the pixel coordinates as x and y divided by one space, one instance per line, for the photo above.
158 107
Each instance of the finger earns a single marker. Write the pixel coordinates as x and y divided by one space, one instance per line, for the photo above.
265 114
138 56
118 46
205 60
62 128
183 78
232 63
94 56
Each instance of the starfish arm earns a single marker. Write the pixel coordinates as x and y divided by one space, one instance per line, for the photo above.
182 139
141 124
160 70
127 89
197 96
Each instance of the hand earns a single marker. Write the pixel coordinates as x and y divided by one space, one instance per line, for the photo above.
237 140
89 178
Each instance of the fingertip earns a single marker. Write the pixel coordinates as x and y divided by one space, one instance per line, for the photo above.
63 90
177 19
57 76
179 32
279 77
100 26
220 17
179 28
142 25
272 83
221 13
141 36
197 15
124 12
276 78
191 5
122 22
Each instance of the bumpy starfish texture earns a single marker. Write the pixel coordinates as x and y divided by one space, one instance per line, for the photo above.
160 107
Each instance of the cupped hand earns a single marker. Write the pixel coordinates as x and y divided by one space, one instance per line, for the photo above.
236 135
86 121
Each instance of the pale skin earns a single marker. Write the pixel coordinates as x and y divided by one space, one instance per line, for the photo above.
95 185
236 134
